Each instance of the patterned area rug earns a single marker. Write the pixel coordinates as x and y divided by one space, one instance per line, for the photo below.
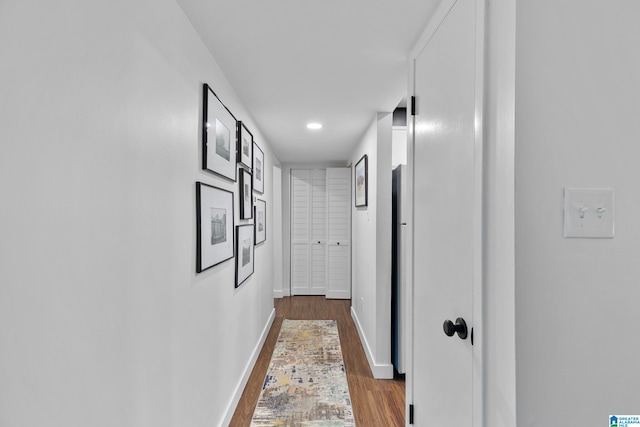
306 384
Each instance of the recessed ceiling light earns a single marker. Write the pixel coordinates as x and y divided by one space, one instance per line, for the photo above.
314 126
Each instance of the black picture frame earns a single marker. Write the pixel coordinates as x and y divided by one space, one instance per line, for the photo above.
219 136
246 194
245 145
214 226
361 182
258 169
244 253
260 221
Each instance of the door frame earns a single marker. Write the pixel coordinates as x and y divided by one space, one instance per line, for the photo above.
478 210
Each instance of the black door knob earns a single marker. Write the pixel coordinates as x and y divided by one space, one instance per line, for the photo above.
460 327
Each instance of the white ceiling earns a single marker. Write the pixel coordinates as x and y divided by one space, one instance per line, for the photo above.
337 62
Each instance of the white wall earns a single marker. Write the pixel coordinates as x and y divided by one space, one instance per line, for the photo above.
398 146
577 104
363 248
371 249
103 321
498 334
276 234
285 287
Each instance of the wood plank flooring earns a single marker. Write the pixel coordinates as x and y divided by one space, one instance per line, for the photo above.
376 403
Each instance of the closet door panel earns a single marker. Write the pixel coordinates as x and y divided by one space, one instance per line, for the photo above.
339 271
300 284
339 233
300 232
338 204
318 269
318 241
318 206
300 212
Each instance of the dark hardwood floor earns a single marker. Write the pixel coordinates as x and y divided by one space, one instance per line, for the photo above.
376 403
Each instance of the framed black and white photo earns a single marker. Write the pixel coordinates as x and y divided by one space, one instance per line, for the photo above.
260 220
361 182
245 145
258 169
219 134
244 253
214 223
246 194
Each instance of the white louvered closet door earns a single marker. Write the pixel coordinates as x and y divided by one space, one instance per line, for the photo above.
339 233
318 242
300 232
308 232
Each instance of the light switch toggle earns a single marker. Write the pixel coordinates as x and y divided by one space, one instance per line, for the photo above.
601 212
582 211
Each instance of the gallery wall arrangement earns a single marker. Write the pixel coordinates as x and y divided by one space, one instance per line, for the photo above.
229 152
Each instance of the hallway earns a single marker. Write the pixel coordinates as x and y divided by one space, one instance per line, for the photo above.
108 316
375 402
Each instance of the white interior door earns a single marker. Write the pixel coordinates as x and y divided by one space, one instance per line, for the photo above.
447 194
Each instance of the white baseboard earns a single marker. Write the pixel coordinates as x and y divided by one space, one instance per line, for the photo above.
339 294
247 371
281 293
379 371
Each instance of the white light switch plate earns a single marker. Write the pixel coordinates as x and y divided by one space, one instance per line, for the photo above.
589 213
